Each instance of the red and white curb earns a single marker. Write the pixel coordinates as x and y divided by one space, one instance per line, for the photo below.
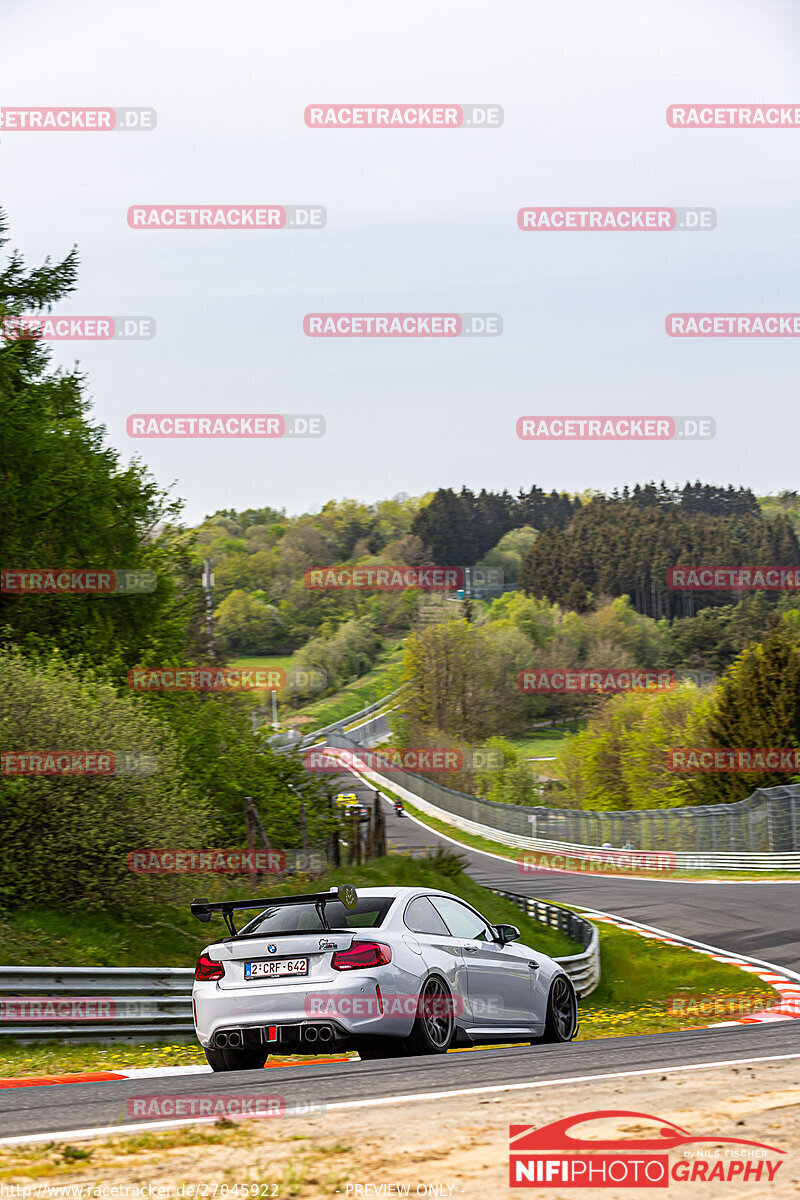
130 1073
785 983
101 1076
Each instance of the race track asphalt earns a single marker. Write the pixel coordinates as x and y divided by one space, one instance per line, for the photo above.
756 920
759 920
69 1109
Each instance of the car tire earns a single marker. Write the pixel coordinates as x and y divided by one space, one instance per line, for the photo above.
240 1059
561 1021
432 1033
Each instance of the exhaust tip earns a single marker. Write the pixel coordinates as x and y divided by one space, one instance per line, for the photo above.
234 1039
310 1033
221 1039
325 1033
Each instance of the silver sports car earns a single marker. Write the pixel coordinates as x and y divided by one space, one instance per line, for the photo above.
386 971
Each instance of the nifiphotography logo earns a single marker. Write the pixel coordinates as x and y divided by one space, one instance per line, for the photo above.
552 1155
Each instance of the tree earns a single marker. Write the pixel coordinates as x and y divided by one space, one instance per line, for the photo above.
446 527
622 545
68 501
227 764
757 706
510 551
66 838
344 654
619 760
247 626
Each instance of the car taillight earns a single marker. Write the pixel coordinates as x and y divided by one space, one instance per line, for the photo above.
208 968
360 955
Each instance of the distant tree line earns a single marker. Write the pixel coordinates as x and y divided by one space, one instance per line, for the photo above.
624 544
460 528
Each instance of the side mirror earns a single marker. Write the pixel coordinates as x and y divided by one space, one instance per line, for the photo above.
507 933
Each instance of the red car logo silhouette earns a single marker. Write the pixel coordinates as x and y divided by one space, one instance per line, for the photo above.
555 1136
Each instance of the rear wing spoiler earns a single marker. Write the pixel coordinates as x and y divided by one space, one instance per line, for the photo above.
346 894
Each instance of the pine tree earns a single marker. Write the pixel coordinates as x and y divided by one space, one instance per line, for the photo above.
757 707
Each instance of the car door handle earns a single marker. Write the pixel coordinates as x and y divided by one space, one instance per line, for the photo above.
534 966
473 949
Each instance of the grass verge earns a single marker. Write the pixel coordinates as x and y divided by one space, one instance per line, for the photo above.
640 976
643 982
380 680
545 743
162 936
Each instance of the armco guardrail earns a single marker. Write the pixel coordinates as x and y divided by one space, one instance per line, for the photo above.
374 729
340 725
95 1002
107 1003
761 832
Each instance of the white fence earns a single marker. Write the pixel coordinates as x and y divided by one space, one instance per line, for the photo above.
660 861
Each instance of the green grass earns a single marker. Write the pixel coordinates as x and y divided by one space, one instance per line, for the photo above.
55 1160
639 975
545 743
169 936
383 678
163 936
476 842
64 1058
277 662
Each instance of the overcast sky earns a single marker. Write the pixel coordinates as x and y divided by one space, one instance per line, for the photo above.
418 221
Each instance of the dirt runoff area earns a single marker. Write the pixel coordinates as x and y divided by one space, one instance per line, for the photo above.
450 1147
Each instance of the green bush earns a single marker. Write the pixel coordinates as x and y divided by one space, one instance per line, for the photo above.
66 839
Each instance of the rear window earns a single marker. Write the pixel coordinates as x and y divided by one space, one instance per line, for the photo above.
368 913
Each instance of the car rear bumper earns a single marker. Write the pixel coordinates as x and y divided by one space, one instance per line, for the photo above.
350 1005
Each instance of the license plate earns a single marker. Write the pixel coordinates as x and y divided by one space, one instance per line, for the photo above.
276 966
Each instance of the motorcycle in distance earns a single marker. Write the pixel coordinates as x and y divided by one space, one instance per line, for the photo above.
398 808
